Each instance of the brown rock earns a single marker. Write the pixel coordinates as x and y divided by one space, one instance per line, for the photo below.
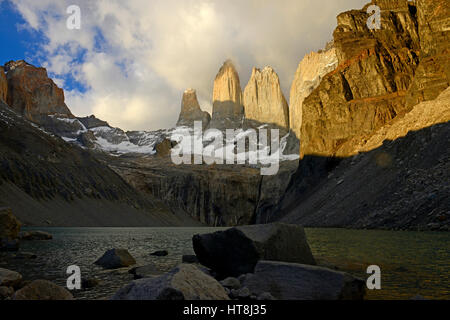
433 73
191 111
9 278
42 290
263 99
228 110
32 93
9 228
310 72
368 88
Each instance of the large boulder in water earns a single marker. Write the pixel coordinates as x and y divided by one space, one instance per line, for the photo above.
237 250
42 290
116 258
292 281
185 282
9 230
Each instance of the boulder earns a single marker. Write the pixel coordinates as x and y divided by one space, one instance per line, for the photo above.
186 282
115 259
292 281
9 278
6 293
35 235
42 290
236 251
147 271
9 230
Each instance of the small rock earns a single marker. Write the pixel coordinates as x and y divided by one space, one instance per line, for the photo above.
115 259
189 259
9 278
160 253
231 283
243 293
35 235
147 271
42 290
25 255
6 292
265 296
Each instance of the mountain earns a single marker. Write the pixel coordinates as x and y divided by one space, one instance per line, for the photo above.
191 111
46 180
374 132
263 99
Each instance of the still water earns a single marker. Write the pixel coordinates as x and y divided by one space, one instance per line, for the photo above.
412 263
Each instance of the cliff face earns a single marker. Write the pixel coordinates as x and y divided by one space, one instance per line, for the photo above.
263 99
32 93
191 111
433 73
3 85
308 76
405 168
228 111
368 88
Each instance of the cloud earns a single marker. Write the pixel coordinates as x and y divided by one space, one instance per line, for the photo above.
135 58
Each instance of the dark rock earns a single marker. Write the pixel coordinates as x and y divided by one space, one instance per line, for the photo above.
25 255
147 271
116 258
42 290
265 296
231 283
189 259
35 235
9 230
160 253
236 251
9 278
6 292
186 282
291 281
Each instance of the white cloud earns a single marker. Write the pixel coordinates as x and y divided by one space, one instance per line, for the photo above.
138 56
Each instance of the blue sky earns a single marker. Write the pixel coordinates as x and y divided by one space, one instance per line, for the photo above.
16 44
131 61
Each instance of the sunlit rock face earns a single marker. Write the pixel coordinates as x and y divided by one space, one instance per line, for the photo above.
228 111
32 93
191 111
310 73
433 73
369 86
263 99
3 85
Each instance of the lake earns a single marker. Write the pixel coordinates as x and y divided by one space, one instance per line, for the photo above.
412 263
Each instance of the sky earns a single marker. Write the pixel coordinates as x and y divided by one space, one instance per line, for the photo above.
131 61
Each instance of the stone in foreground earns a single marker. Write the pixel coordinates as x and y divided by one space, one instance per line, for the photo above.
9 278
185 282
115 259
291 281
42 290
236 251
